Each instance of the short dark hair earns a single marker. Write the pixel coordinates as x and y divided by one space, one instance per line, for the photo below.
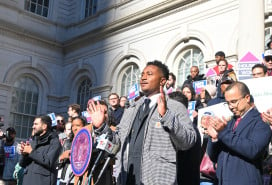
180 97
196 68
45 119
75 107
113 94
191 88
220 53
161 66
244 90
81 118
173 76
11 130
260 66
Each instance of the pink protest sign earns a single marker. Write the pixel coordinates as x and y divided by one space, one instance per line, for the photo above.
81 151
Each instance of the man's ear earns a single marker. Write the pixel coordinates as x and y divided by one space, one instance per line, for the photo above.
44 126
163 81
248 98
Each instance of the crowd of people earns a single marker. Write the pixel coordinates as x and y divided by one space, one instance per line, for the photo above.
159 142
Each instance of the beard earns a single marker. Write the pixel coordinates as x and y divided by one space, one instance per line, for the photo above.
38 132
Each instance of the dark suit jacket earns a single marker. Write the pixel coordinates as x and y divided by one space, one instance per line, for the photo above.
239 153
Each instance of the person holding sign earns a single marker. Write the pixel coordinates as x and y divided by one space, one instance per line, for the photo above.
11 155
64 160
194 76
98 111
189 92
238 145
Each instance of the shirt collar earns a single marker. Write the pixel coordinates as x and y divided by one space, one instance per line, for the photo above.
153 99
246 112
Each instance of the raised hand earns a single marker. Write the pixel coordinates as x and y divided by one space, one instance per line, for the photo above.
162 107
97 113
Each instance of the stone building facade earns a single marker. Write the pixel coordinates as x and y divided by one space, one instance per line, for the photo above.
57 52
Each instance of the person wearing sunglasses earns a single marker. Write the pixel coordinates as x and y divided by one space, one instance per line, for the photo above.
268 61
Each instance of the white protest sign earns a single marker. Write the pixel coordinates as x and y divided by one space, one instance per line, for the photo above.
261 90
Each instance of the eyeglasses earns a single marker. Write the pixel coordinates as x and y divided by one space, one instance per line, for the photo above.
235 103
268 58
113 98
60 121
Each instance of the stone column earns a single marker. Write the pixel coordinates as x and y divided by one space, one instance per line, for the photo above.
251 28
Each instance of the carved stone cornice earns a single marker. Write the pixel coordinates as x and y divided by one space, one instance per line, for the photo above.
21 34
123 24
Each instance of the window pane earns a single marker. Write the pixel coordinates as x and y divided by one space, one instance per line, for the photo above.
191 56
45 12
84 93
40 2
46 3
129 77
33 109
33 7
39 10
90 7
39 7
24 106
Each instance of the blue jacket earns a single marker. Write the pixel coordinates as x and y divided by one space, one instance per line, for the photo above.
239 153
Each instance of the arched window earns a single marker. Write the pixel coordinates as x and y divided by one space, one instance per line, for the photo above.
129 76
24 105
84 93
190 56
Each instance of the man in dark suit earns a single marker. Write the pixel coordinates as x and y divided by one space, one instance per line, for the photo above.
151 132
150 140
238 145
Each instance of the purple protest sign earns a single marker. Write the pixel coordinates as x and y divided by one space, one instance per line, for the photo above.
81 151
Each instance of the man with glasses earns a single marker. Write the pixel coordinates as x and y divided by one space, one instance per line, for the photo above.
116 111
268 61
238 146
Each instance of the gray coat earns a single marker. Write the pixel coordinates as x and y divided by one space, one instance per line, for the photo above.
40 164
162 138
